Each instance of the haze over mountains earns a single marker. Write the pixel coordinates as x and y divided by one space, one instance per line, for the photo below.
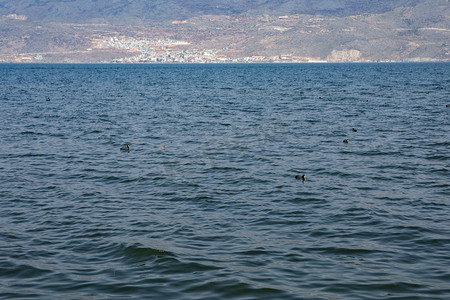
224 31
129 12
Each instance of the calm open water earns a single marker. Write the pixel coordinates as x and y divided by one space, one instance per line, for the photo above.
218 213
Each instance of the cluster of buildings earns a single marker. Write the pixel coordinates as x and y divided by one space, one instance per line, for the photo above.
162 51
138 45
172 51
17 17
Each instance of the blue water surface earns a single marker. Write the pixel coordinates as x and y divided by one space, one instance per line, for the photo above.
205 205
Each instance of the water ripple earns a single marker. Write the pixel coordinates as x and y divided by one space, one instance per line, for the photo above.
205 205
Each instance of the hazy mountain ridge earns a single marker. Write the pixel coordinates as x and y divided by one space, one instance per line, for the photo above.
119 11
221 31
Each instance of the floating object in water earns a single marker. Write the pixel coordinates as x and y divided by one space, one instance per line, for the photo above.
163 147
47 99
448 105
346 141
302 177
354 130
125 148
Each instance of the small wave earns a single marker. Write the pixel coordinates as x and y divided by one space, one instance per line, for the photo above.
437 157
340 174
342 251
31 133
139 253
235 289
307 200
252 253
34 155
22 271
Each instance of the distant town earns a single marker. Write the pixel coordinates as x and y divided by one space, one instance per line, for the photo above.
171 51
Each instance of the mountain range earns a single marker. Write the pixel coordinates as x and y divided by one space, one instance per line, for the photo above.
224 31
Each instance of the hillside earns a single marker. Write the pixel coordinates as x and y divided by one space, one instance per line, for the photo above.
144 11
224 31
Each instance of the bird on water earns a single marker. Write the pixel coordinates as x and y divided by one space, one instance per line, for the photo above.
302 177
125 148
354 130
345 141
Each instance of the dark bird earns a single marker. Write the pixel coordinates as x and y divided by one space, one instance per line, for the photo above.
302 177
354 130
47 99
346 141
125 148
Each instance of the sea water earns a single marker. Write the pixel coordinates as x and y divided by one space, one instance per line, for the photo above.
205 204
